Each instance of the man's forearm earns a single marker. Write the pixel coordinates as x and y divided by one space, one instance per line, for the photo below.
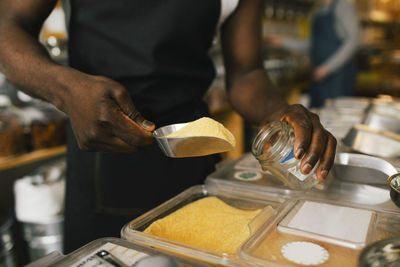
26 63
255 98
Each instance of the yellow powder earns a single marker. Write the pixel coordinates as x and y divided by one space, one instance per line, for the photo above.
205 127
207 223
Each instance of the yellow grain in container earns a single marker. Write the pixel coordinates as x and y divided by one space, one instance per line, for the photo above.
205 127
207 223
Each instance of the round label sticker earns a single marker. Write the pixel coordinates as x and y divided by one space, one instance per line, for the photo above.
305 253
248 175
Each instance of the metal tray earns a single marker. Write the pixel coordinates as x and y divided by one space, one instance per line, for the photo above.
364 169
374 142
384 122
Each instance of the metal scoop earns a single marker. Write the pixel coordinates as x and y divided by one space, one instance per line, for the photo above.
188 146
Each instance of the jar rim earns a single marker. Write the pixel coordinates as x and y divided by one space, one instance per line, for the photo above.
266 133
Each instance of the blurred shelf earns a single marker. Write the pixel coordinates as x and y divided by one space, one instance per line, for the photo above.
34 156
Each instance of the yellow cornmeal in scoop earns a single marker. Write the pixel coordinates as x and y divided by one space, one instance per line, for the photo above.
207 223
205 127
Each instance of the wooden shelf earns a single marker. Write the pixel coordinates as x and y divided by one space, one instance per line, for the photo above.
31 157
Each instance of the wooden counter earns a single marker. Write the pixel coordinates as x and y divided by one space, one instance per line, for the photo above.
31 157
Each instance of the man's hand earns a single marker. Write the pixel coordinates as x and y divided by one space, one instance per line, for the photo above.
252 94
274 40
103 116
321 73
312 141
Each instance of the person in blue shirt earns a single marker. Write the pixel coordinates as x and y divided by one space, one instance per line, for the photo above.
333 44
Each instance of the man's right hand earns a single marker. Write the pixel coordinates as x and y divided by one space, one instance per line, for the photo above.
103 116
101 111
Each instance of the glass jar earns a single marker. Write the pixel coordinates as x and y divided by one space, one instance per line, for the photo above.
273 148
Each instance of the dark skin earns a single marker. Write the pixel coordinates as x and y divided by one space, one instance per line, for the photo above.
104 118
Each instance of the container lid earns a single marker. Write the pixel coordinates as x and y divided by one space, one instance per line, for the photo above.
340 225
265 182
245 173
311 232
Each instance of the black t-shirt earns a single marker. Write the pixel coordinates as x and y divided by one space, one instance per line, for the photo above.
158 49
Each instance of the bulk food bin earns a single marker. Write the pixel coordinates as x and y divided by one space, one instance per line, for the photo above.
119 252
319 233
335 231
232 196
247 174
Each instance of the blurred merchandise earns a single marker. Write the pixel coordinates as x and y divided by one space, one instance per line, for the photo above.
54 35
394 183
12 137
7 254
340 114
39 206
46 238
355 118
378 58
288 70
30 126
47 125
110 251
382 253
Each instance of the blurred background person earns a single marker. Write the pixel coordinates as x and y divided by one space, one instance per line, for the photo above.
333 43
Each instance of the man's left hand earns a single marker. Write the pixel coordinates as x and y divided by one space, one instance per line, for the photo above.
312 142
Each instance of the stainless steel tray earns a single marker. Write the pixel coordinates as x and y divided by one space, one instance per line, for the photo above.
362 169
374 142
380 121
387 108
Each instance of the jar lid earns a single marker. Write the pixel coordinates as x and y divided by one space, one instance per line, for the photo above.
269 140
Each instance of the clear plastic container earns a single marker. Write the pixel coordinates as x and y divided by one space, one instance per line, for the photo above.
263 181
117 250
335 226
326 234
273 147
335 187
232 196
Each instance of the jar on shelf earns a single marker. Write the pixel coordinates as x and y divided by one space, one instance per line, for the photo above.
273 148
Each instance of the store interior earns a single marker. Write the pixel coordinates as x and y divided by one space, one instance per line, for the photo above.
33 148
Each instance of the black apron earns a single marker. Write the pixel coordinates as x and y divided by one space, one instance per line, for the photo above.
324 43
159 51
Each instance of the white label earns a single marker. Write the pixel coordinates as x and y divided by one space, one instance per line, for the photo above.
305 253
290 160
295 170
126 255
333 221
